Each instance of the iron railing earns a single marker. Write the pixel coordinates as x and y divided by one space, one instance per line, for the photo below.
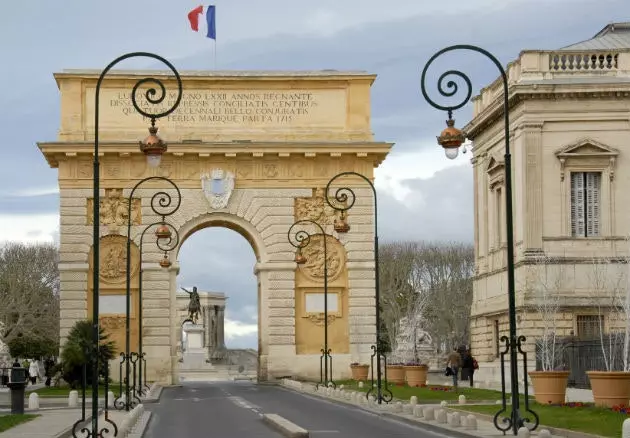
581 355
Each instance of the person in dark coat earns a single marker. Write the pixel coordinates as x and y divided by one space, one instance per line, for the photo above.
468 367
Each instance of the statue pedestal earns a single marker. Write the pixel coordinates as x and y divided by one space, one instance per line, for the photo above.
194 355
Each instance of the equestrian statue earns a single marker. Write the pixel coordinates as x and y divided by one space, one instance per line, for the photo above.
194 305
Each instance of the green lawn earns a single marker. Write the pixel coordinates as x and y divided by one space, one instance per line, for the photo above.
427 395
603 422
9 421
63 391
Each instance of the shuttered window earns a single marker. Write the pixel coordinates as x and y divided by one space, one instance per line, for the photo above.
585 203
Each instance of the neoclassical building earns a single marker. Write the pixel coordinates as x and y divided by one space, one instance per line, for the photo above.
570 129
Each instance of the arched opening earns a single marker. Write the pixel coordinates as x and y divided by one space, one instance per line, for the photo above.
216 259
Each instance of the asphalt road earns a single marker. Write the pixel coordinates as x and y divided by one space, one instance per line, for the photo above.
233 410
203 410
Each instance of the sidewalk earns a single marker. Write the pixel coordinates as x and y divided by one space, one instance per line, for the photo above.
50 423
55 423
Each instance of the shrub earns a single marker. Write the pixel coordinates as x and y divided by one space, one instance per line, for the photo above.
78 350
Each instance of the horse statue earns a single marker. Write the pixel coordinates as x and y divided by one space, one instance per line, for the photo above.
194 305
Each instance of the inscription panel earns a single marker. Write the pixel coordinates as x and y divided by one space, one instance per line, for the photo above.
213 109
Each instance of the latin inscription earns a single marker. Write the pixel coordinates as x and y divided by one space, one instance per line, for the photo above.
234 107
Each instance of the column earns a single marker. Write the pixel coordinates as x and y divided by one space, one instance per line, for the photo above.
207 339
533 217
220 328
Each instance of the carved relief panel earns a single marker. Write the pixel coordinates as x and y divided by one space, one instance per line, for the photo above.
114 209
112 292
309 298
315 208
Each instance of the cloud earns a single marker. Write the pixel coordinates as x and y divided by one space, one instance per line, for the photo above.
422 195
31 228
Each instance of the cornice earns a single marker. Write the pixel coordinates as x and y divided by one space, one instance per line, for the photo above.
556 261
53 151
218 77
524 92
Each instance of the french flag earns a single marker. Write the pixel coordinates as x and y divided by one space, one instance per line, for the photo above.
193 18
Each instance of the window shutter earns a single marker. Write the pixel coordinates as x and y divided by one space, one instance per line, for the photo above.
577 204
593 185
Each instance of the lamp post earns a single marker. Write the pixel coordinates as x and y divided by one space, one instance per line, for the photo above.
152 97
165 242
161 204
344 199
302 240
451 139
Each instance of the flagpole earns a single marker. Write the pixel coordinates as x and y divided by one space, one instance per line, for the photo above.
215 54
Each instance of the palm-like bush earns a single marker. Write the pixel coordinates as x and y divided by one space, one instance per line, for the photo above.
78 350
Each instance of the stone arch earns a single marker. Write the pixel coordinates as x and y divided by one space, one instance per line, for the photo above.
280 165
226 220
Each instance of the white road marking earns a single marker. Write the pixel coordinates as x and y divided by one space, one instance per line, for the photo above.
241 402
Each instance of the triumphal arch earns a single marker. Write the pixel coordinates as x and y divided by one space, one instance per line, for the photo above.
278 137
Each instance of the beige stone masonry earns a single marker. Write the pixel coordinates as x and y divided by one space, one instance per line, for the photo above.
275 160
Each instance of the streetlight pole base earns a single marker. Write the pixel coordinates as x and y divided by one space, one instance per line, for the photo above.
379 389
516 418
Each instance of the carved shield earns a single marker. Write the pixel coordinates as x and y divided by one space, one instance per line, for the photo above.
217 185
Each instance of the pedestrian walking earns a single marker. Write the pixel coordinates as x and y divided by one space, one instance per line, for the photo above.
33 371
454 362
469 365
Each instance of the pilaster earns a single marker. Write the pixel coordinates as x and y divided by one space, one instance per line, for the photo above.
533 168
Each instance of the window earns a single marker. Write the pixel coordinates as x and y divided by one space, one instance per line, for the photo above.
589 326
497 217
585 203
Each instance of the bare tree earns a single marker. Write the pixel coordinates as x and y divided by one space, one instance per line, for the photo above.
610 295
29 292
444 272
427 286
396 262
544 282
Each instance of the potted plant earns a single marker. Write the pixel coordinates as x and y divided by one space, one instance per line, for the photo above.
611 295
544 285
416 373
396 373
359 371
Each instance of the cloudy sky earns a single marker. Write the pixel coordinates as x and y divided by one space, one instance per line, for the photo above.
421 194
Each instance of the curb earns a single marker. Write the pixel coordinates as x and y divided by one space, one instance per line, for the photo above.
554 430
412 421
154 394
284 426
138 429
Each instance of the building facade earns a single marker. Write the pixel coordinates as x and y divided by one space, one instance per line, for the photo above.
570 128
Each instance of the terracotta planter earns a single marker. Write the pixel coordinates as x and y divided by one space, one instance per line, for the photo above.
610 388
549 386
396 374
359 372
416 375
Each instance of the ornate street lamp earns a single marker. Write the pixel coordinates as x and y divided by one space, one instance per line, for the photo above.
301 239
166 240
344 199
152 97
451 139
162 204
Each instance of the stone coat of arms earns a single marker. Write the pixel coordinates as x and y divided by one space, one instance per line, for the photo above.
217 185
